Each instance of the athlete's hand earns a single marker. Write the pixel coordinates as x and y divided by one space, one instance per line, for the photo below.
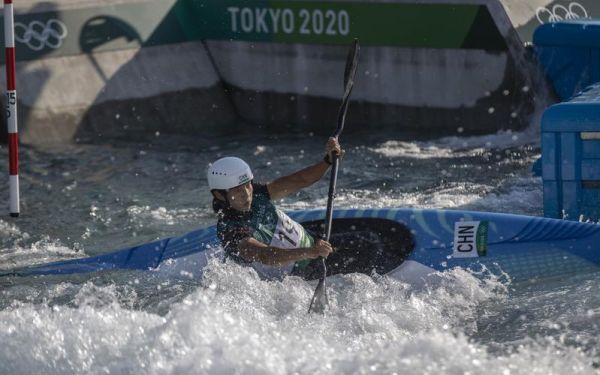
321 249
333 146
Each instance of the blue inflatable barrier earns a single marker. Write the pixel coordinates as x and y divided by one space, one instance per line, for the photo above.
571 157
569 52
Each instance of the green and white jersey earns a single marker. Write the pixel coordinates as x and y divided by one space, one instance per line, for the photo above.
264 222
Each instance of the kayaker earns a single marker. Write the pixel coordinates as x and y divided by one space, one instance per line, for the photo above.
251 228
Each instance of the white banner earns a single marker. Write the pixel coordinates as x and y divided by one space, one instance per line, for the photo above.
470 239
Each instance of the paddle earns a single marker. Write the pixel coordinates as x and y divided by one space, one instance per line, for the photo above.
319 300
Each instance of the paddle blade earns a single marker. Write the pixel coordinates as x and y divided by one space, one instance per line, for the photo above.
351 64
349 73
319 302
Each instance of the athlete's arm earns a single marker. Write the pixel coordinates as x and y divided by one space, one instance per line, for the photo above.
251 250
284 186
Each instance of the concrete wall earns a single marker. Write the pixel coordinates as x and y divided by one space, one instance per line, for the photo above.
434 90
476 88
120 93
140 81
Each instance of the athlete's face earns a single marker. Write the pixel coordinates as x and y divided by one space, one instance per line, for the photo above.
240 197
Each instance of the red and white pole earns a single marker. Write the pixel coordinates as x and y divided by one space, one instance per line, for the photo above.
11 107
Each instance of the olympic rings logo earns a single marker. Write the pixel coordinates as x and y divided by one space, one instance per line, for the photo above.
38 35
561 12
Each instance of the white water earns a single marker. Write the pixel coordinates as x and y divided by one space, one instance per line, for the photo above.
231 321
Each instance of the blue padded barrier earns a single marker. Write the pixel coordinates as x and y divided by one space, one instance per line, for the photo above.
571 157
569 52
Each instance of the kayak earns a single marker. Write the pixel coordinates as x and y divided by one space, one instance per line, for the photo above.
402 243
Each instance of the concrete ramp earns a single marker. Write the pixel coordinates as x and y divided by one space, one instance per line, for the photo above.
88 72
92 71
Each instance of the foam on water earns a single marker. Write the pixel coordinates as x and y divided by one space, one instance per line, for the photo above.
452 147
525 190
41 251
565 310
470 196
236 323
146 215
231 321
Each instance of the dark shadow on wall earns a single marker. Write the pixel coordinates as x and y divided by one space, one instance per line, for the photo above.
164 88
99 30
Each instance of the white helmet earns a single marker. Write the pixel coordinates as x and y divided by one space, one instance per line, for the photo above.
227 173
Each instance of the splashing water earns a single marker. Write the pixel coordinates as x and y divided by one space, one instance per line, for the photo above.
231 321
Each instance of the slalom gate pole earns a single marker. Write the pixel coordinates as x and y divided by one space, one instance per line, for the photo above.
11 108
